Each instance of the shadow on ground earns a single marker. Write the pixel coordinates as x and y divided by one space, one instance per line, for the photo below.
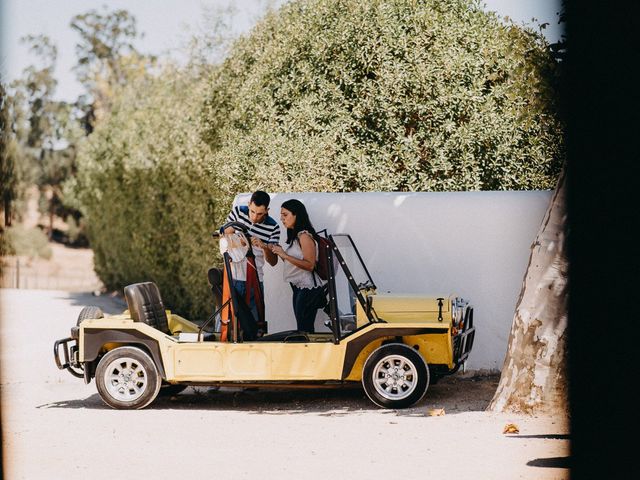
454 395
109 303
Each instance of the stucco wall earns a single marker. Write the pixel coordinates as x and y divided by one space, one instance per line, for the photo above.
473 244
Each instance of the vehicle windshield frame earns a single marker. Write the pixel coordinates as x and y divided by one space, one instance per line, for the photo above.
356 287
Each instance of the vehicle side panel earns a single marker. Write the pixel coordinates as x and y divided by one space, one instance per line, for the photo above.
260 361
435 348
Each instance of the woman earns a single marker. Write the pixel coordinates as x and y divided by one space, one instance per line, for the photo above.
299 255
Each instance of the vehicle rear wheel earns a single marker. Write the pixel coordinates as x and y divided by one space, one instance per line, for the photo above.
395 376
127 378
90 312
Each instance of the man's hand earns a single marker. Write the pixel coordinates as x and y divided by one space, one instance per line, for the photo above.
269 255
256 242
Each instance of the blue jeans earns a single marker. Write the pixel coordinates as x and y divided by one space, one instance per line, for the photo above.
306 303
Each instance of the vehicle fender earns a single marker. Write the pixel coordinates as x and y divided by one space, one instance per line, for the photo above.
96 339
359 348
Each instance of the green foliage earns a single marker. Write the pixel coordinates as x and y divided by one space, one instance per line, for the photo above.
356 95
145 191
15 174
104 39
107 59
8 178
30 242
323 95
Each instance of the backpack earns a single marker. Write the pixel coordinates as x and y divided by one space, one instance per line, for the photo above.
322 265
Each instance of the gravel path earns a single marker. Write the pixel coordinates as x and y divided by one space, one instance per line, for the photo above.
55 426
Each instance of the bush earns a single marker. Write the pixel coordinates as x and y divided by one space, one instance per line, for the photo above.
145 191
358 95
31 242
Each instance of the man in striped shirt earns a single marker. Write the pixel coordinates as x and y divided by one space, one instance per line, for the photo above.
264 230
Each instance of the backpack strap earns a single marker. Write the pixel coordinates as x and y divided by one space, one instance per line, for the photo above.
315 268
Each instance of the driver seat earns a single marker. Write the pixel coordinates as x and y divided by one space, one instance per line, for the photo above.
145 305
215 281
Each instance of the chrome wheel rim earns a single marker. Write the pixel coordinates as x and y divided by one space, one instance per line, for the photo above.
395 377
126 379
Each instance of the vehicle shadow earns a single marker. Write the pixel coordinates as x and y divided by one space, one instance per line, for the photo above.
110 304
452 395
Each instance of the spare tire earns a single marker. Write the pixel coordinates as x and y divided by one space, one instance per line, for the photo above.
90 312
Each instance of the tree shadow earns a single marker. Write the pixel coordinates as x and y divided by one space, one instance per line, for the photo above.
548 436
110 304
551 462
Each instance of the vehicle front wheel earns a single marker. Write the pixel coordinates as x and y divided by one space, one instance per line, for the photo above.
127 378
395 376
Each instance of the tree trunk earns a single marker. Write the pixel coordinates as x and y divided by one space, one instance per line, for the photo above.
534 376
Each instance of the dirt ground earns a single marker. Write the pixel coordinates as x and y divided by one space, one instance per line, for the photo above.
55 426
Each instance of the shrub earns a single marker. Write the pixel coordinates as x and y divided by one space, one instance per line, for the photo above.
30 242
145 191
394 95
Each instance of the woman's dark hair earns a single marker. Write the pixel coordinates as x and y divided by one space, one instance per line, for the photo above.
302 219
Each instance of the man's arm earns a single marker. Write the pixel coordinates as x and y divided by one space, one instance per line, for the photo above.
232 217
269 256
274 239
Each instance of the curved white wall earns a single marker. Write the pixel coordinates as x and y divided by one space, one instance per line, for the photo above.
473 244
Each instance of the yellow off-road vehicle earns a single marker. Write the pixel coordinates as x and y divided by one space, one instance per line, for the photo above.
394 345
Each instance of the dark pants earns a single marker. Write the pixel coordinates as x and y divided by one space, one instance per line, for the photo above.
306 302
241 288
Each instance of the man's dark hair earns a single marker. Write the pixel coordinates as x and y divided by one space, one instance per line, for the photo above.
260 198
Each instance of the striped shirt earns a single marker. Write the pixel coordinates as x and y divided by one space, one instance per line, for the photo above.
268 231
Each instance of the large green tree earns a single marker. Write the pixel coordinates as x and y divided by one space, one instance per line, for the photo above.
46 128
107 57
8 173
386 95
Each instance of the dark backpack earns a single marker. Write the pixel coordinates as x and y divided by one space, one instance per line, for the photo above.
322 265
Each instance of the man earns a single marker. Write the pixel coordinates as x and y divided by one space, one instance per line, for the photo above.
264 230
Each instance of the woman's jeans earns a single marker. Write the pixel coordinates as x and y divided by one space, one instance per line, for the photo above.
306 302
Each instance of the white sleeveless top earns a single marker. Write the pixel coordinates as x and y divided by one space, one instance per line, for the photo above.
297 276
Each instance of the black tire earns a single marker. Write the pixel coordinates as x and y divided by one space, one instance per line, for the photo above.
90 312
395 376
170 389
127 378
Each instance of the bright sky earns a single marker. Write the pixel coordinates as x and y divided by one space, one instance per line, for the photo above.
167 25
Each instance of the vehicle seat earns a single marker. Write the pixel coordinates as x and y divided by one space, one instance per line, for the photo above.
288 336
215 281
145 305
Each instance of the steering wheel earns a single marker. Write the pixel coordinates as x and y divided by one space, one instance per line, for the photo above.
236 225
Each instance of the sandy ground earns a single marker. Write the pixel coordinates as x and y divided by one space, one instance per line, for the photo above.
55 426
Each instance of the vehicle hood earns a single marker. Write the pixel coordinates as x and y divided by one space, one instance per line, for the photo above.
408 307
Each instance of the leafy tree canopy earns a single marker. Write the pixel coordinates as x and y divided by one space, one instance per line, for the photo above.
397 95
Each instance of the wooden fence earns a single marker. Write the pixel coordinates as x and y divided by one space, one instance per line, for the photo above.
18 275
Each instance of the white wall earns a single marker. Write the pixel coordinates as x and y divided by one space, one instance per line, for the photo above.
473 244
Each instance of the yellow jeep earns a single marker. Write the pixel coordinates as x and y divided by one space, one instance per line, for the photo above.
394 345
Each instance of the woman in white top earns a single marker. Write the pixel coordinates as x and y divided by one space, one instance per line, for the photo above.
300 254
